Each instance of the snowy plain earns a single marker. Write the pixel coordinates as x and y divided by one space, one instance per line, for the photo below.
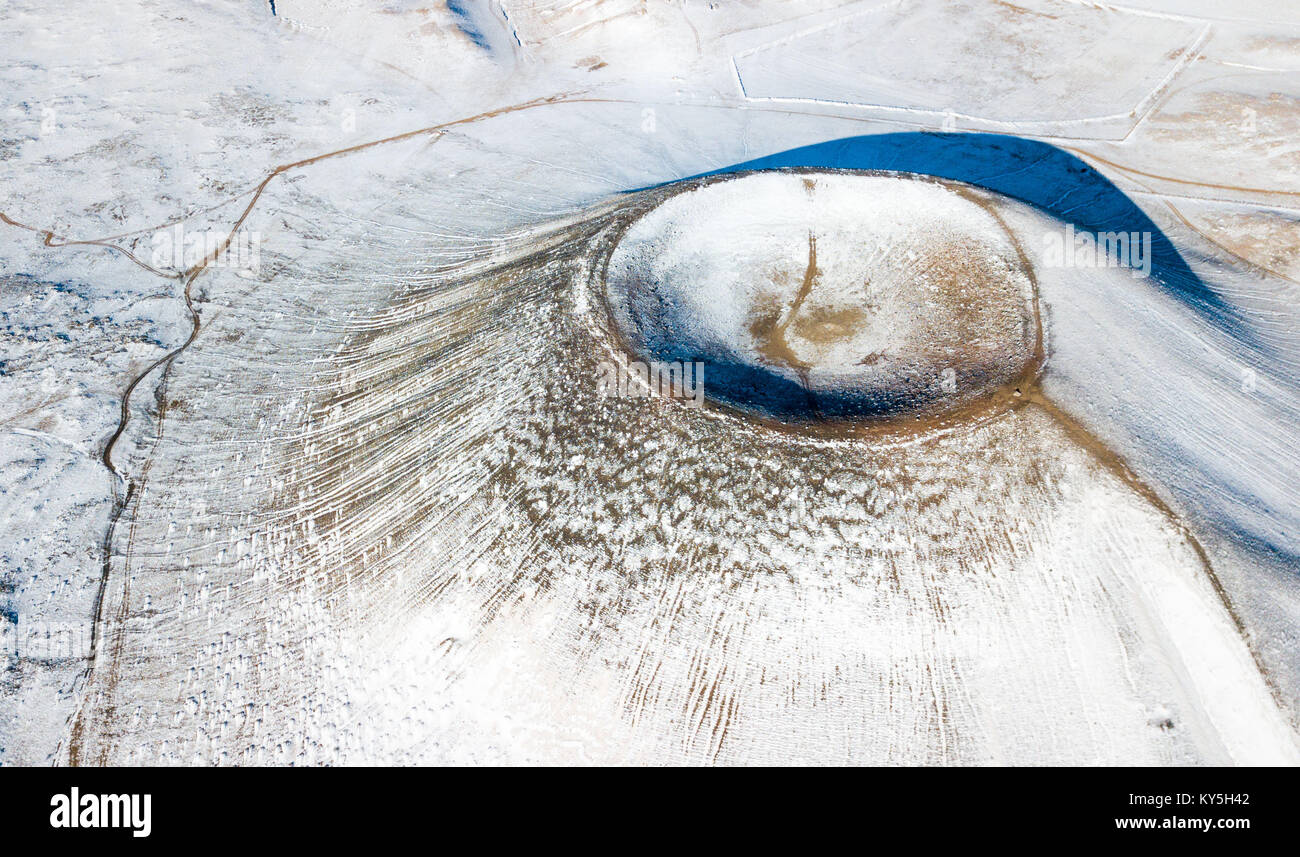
361 504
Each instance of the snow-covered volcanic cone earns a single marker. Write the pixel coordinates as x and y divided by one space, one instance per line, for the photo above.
818 295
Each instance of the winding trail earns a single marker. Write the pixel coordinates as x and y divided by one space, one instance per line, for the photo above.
131 485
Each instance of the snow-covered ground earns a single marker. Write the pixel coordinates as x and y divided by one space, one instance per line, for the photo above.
352 496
